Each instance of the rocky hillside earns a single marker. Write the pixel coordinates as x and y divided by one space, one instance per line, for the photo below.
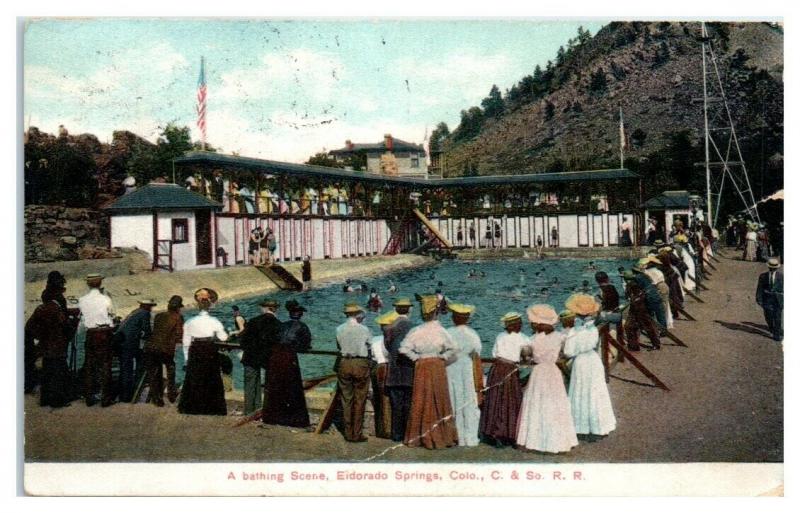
567 117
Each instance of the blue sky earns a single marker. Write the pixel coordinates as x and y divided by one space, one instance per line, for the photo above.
277 89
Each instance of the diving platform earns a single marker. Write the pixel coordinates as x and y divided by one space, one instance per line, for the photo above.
281 277
432 229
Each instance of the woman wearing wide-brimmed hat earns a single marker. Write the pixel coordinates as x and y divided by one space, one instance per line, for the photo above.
545 419
284 398
500 408
202 392
461 375
430 420
588 392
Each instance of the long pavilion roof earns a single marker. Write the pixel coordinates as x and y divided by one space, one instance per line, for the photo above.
304 170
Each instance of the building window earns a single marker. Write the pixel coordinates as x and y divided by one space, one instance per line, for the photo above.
414 160
180 230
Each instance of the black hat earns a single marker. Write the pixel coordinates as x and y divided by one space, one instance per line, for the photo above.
293 306
269 303
175 302
55 280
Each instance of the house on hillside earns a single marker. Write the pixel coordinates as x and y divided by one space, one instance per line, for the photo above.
392 157
173 225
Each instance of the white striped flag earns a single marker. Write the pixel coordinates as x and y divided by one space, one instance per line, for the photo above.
201 101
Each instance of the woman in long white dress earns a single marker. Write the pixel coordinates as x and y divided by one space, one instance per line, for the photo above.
461 377
588 391
546 423
750 243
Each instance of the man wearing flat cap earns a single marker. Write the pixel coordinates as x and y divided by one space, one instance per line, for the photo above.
97 315
159 351
400 377
353 339
259 335
133 330
769 296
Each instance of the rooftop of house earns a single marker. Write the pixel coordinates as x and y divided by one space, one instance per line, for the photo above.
389 143
161 196
672 200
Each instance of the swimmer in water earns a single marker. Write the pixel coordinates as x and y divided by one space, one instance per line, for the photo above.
348 287
585 286
374 303
392 287
544 292
555 280
590 267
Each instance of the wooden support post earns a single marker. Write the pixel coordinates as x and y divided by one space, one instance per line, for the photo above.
693 296
674 338
604 336
684 313
636 363
327 417
701 286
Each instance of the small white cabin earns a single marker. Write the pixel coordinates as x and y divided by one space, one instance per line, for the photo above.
173 225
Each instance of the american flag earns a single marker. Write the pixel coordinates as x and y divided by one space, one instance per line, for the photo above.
201 101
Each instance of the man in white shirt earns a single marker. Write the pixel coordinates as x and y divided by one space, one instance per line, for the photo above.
353 339
97 316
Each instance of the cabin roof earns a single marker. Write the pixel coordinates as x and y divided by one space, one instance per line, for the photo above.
671 200
272 166
398 145
161 196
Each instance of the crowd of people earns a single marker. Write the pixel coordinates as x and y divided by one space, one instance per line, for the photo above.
428 383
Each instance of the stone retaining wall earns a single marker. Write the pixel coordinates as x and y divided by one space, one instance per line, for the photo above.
56 233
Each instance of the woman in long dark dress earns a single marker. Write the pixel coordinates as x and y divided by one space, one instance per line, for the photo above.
202 392
285 400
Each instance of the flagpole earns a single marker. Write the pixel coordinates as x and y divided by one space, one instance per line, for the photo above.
621 140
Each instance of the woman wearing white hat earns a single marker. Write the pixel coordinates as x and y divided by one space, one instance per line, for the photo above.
588 392
546 423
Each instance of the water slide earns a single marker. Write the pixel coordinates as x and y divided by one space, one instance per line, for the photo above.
281 277
435 231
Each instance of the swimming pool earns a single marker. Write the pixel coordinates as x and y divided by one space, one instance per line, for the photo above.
500 286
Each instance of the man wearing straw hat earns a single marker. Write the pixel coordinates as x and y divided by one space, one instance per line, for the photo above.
134 329
353 339
97 315
652 297
400 376
769 296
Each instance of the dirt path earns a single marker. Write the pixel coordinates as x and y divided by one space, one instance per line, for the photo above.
726 405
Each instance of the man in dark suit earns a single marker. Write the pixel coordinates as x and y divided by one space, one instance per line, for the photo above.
400 376
769 296
259 335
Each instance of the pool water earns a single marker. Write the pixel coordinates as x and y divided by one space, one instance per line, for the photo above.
500 287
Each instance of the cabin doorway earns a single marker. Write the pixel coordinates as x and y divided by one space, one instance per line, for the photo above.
203 248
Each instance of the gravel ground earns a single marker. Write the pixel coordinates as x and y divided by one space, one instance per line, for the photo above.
725 405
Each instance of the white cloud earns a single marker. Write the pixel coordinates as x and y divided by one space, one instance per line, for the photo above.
467 76
299 72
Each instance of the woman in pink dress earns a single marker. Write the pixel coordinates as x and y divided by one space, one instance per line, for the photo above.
545 420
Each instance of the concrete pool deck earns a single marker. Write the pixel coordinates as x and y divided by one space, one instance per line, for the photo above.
726 405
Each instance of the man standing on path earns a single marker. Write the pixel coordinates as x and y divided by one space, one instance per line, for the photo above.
769 296
353 339
400 378
259 335
159 351
134 329
97 315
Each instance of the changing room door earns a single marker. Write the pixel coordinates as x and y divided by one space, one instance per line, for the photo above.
202 226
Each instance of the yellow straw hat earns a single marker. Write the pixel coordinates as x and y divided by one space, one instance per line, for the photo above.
510 317
461 309
403 301
542 314
428 304
681 238
582 304
566 314
387 318
352 308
